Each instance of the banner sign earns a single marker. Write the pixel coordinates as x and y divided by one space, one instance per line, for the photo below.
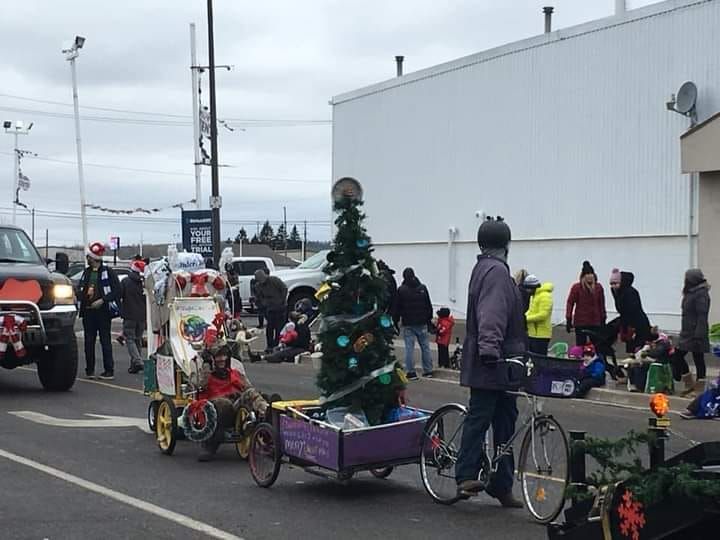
189 320
197 232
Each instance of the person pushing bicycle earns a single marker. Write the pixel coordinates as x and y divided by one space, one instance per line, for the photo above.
495 332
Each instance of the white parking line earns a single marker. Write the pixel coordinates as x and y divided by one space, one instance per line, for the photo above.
145 506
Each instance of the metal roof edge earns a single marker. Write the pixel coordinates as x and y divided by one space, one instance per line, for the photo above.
701 125
628 17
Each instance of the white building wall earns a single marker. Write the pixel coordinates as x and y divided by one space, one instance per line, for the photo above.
565 135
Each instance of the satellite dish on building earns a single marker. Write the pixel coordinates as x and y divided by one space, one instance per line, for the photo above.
686 98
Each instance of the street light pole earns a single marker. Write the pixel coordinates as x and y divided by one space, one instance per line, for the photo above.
70 55
215 201
16 151
17 128
196 117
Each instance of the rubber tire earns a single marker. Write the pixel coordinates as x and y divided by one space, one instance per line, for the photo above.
242 447
382 473
57 367
267 430
524 449
152 415
167 403
439 412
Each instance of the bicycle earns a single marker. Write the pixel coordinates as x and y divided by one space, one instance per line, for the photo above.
543 466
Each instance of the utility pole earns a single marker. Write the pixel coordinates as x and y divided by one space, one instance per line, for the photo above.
285 233
304 246
70 55
196 117
215 201
16 128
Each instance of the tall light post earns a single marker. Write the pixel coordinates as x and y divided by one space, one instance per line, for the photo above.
70 55
16 128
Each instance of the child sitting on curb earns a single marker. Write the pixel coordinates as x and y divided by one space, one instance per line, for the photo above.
592 373
706 406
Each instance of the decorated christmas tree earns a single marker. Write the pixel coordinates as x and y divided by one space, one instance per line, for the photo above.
358 365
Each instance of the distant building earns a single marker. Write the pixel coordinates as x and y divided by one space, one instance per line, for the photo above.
566 135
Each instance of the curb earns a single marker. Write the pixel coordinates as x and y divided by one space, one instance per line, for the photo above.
601 395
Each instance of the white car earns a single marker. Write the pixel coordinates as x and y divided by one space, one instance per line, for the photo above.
245 268
303 281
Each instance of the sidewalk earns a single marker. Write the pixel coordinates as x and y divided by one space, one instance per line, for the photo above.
610 394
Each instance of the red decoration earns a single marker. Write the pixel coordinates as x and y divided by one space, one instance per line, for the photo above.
196 412
632 517
199 281
181 281
211 336
219 320
11 333
218 283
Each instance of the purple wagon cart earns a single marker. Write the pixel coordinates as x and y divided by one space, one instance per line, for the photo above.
323 449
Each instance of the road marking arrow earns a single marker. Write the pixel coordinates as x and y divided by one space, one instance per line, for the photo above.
96 421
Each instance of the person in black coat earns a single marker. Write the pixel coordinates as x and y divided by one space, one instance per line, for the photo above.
694 331
133 312
413 308
633 323
388 274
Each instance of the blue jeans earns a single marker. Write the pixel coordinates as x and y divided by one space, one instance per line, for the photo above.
410 333
488 407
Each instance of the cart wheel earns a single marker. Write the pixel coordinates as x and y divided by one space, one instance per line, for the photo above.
152 415
264 456
382 473
242 446
167 426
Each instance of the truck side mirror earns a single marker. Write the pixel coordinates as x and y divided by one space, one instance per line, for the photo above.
62 263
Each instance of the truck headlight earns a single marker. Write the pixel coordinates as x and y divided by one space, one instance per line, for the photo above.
63 294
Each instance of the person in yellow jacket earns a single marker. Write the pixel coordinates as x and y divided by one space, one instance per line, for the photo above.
539 314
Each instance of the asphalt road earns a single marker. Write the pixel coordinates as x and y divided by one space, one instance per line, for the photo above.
112 482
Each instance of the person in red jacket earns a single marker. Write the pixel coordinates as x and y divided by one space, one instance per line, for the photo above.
585 310
445 323
228 389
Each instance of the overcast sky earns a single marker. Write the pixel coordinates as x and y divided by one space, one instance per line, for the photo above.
289 58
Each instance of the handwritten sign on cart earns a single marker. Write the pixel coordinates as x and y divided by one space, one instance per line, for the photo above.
310 442
165 370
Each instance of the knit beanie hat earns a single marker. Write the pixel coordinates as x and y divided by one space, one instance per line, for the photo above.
586 269
531 282
95 251
615 276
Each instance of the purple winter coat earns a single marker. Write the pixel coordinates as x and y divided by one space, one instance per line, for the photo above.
495 324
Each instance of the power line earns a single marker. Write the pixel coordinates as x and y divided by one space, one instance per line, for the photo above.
243 122
174 173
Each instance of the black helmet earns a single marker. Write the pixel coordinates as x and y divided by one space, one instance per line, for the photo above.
493 233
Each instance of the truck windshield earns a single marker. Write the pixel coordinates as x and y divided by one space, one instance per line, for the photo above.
314 262
15 246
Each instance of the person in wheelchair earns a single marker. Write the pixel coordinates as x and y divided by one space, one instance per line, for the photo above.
228 389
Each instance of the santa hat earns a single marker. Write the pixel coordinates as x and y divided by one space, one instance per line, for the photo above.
138 266
615 276
96 251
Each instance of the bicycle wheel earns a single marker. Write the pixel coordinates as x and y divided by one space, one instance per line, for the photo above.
544 469
264 457
439 451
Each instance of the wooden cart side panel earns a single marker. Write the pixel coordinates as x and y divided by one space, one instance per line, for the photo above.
310 442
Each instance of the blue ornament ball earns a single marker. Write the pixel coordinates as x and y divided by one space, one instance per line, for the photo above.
352 362
343 341
385 321
363 243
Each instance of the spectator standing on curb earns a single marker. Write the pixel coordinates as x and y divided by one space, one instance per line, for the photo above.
133 312
258 306
694 331
495 332
99 290
585 308
413 308
388 274
519 278
634 323
445 323
272 294
539 314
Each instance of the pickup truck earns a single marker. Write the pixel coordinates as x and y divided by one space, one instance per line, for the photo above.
37 312
245 268
302 282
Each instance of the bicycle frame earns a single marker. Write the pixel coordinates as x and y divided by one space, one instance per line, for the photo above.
529 421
